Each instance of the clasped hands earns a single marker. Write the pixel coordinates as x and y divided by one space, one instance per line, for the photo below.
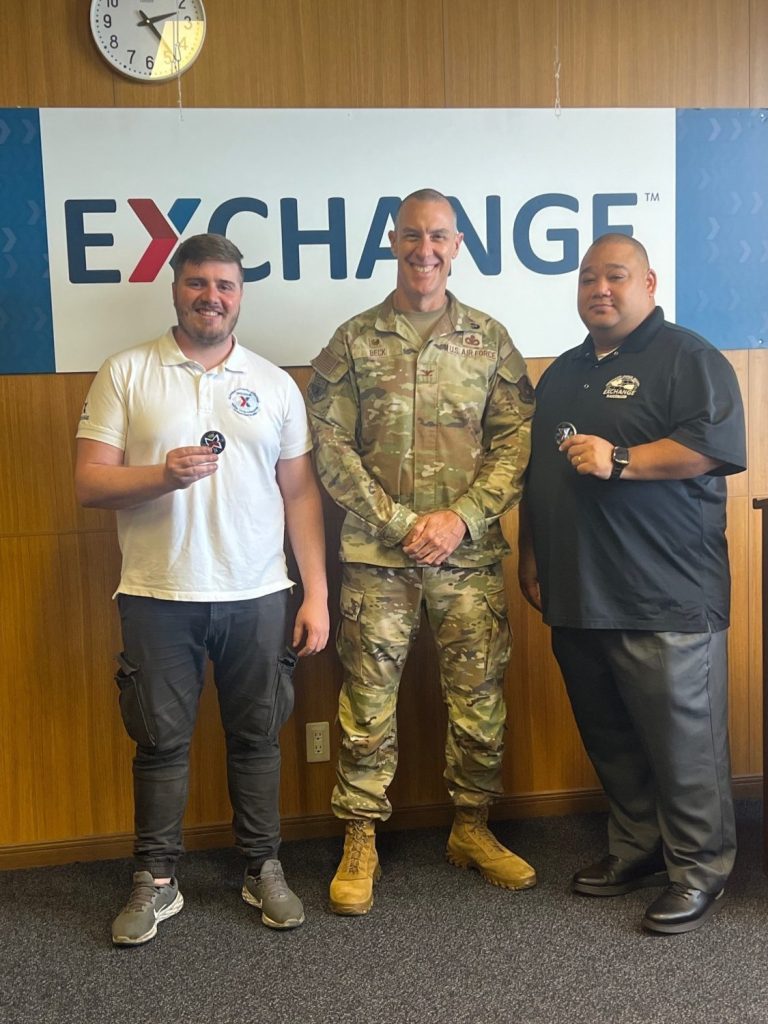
434 537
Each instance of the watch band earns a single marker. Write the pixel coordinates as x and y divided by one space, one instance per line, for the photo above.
620 459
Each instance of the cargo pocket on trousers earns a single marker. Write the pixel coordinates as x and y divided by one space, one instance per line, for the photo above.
283 706
499 635
135 716
348 636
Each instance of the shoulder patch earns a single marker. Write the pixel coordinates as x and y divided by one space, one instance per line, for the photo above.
318 388
526 389
328 365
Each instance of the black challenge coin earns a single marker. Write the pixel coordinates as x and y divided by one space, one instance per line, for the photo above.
215 440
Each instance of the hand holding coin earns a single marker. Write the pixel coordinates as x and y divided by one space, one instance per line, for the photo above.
215 440
563 431
185 466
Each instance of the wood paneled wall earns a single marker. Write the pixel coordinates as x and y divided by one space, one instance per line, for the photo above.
65 761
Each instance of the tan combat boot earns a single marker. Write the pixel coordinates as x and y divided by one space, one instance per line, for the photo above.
471 844
352 885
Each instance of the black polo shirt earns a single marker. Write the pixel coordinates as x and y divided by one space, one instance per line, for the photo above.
644 554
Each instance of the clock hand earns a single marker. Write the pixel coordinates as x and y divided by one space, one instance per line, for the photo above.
161 17
148 22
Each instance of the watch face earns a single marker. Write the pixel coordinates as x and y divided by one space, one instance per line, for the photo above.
148 40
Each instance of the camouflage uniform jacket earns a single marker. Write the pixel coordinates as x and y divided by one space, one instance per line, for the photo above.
403 428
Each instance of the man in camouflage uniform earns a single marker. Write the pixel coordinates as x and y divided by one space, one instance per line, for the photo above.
421 411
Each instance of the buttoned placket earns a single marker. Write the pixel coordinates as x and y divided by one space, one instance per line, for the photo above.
205 389
581 402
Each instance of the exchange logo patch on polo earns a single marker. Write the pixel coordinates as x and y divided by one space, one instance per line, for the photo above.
244 402
623 386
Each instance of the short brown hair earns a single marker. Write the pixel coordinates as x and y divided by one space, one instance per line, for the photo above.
203 249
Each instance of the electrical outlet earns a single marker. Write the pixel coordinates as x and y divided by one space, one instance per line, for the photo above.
318 742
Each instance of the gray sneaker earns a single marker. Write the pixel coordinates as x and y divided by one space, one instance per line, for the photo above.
147 904
280 908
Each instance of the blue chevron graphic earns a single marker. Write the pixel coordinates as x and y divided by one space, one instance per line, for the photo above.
26 328
722 225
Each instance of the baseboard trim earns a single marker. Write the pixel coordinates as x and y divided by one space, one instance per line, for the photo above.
318 826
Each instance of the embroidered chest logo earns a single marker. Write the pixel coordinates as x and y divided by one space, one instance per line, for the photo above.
623 386
244 402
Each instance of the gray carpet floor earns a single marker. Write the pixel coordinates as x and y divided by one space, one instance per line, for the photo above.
439 947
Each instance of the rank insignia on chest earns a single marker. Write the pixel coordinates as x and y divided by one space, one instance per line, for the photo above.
472 340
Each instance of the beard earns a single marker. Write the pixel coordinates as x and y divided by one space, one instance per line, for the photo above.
202 333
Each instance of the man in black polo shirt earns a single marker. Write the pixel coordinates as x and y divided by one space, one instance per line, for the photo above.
623 550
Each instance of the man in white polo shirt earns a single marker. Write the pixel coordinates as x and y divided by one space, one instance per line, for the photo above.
202 447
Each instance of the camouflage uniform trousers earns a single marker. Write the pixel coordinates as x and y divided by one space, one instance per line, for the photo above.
380 616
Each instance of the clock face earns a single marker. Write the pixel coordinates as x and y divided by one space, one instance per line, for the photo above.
148 40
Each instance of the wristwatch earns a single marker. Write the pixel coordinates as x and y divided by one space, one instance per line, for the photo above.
620 459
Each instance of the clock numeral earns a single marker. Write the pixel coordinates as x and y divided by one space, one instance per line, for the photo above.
182 5
132 55
150 63
107 20
113 3
113 42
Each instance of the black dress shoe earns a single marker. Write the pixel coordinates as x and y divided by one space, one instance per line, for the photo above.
680 909
613 876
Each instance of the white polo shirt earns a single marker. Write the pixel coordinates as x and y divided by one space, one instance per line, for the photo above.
221 539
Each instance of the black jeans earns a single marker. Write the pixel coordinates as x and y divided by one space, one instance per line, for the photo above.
161 674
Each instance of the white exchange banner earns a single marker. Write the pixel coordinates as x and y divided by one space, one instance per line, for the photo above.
307 195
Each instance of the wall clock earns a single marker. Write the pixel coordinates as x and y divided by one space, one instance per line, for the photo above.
148 40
